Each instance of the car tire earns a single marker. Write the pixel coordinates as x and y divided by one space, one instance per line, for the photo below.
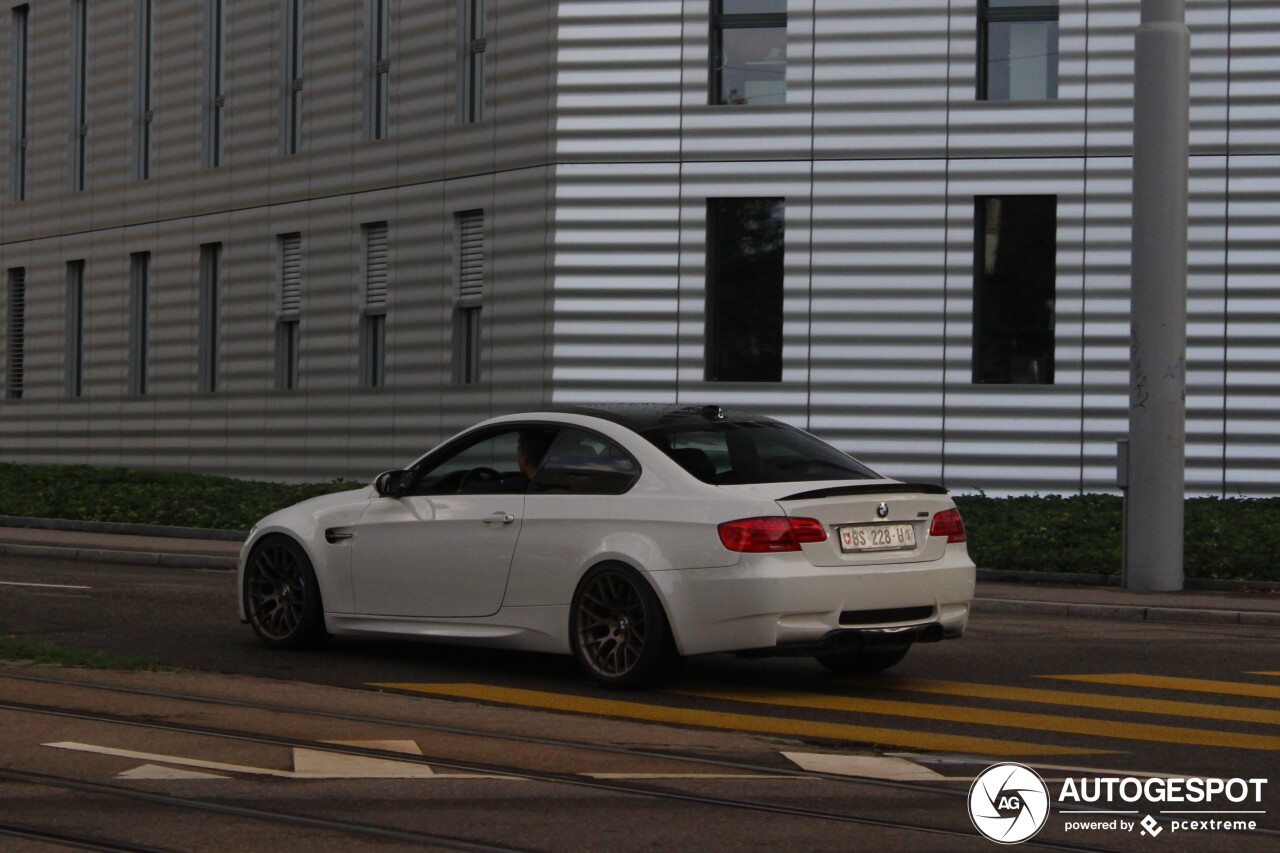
281 595
863 661
618 630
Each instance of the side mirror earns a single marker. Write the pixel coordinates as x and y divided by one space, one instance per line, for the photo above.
391 484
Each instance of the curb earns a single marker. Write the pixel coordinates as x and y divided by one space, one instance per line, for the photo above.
1088 579
1128 613
119 528
131 558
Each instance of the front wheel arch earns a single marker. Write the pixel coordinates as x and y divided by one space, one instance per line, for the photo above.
281 595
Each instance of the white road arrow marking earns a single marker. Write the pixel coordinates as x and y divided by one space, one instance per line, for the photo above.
155 771
308 763
863 766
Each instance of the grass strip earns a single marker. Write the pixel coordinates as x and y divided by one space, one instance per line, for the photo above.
27 652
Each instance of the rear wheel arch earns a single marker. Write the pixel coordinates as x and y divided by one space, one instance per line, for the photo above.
613 601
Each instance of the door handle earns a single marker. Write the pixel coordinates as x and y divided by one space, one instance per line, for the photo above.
499 518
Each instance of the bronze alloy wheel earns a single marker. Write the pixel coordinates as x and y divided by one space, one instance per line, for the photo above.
619 631
282 598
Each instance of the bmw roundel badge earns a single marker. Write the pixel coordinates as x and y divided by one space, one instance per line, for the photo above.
882 510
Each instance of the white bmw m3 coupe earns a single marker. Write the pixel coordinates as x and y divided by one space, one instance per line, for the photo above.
626 536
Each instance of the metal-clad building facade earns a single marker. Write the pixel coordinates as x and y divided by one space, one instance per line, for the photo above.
591 164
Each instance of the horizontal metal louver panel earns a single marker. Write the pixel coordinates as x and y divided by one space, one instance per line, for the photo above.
471 256
376 265
291 273
17 331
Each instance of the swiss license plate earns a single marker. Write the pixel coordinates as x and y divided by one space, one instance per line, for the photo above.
877 537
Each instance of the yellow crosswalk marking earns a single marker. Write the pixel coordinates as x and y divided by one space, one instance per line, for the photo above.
739 722
1080 700
983 716
1166 682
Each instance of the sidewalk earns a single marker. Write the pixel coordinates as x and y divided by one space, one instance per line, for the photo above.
136 549
141 547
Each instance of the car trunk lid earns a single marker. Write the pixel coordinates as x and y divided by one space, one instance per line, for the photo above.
867 522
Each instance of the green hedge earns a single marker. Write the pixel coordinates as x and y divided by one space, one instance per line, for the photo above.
1236 538
83 493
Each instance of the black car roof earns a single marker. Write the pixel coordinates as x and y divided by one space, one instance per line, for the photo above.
641 417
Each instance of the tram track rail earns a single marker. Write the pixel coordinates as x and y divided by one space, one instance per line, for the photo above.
302 821
579 781
74 841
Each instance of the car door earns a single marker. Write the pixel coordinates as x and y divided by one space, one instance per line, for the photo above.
444 549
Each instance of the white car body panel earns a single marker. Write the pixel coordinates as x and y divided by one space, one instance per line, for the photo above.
403 572
446 555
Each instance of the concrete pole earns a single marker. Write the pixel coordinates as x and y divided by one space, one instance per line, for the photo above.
1158 342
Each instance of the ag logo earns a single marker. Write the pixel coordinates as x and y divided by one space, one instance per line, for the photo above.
1008 803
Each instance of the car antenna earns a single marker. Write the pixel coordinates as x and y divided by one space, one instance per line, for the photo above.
713 413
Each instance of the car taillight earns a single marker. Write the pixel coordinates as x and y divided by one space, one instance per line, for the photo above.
947 523
770 534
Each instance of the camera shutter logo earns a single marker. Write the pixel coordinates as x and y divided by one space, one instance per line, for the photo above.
1008 803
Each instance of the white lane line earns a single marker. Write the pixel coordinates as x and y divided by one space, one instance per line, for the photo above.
44 585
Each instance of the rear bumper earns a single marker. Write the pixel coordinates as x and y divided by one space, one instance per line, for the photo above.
856 639
780 604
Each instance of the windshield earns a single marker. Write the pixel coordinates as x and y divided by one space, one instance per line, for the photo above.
729 453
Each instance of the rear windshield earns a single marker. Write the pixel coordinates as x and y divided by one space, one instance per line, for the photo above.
729 453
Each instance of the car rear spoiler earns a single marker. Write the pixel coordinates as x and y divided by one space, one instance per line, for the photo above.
870 489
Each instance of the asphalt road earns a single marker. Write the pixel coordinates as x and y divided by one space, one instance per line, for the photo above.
1127 698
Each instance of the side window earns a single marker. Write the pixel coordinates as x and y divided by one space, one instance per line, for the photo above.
704 454
493 463
582 463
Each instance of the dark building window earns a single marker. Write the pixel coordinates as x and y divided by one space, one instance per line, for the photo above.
1014 290
75 329
292 106
15 345
79 91
289 320
144 117
470 261
745 239
139 320
1017 50
215 98
748 51
378 68
471 78
18 105
210 307
373 323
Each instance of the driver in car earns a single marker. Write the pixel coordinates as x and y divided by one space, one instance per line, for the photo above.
531 448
